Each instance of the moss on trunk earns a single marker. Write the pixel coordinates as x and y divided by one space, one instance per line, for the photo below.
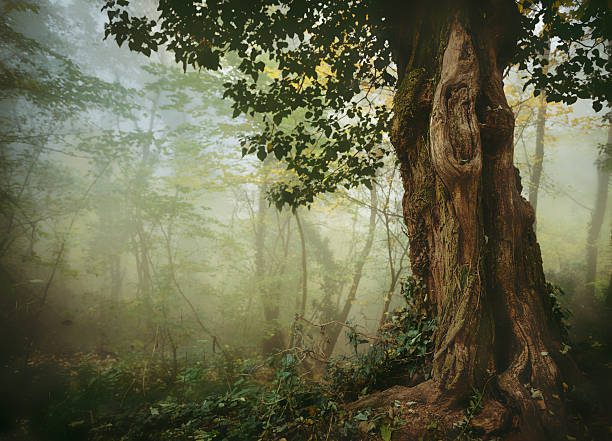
471 233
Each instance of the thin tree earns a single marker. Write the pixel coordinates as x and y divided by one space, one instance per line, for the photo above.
397 250
597 218
538 160
334 330
302 303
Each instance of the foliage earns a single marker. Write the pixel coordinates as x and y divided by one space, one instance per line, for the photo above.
334 59
87 389
225 397
324 56
402 350
113 399
119 188
42 92
582 30
560 313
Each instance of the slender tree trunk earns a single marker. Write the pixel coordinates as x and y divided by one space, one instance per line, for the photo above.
167 234
260 232
273 339
385 312
609 293
597 218
302 310
389 296
116 278
334 330
471 233
143 258
8 234
300 302
538 161
396 266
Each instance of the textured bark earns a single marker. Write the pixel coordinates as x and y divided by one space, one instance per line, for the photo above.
471 235
456 157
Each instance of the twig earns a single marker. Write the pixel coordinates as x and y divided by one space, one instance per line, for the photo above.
331 420
336 322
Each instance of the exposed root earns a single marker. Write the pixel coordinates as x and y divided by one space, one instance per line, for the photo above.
428 413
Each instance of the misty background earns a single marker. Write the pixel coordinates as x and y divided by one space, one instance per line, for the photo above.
131 227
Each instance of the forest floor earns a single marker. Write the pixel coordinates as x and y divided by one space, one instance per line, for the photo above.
104 397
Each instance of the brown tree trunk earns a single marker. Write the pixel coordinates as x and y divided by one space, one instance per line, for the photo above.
471 237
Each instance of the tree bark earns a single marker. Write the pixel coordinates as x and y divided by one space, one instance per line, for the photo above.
471 233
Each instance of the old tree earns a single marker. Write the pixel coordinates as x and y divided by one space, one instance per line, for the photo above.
471 238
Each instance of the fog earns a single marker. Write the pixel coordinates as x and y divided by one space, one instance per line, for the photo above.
135 234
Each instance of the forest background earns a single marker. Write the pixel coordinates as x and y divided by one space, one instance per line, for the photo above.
140 258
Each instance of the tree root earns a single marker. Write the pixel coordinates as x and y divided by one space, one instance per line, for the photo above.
431 414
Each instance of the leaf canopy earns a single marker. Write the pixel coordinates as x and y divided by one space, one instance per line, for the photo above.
325 114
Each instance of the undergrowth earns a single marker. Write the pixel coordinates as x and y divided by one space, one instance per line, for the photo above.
227 398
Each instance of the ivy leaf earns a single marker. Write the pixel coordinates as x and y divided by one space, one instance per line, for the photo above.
385 432
597 106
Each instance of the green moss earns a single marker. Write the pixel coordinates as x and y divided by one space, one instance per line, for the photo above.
404 101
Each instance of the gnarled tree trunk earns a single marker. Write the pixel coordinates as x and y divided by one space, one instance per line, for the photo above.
471 237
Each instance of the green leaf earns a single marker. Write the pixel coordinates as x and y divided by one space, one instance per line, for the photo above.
361 417
597 106
385 432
